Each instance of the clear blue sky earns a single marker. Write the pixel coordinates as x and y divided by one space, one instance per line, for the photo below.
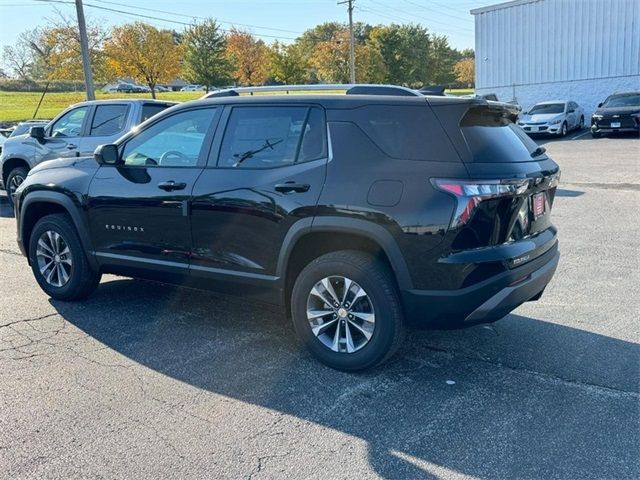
283 19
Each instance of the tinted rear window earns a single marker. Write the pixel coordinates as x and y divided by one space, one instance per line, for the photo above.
151 109
493 138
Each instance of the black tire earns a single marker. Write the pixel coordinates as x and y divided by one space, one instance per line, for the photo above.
14 179
596 134
378 282
581 124
82 279
563 130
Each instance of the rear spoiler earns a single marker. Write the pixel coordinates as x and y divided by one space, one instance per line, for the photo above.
513 111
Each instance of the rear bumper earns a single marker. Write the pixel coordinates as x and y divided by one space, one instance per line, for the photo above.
484 302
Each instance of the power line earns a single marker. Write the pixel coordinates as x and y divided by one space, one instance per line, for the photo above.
413 19
423 7
151 17
196 16
405 20
413 16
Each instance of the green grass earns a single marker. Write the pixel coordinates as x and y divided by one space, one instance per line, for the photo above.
18 106
460 91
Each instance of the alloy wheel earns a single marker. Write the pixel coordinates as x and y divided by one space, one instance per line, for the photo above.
15 182
54 258
340 314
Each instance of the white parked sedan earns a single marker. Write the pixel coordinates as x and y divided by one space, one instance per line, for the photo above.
556 118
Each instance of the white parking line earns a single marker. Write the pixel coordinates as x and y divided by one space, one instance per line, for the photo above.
581 135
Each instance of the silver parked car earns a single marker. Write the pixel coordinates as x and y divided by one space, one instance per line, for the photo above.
76 132
556 117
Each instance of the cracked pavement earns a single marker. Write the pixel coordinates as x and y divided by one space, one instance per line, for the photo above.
144 380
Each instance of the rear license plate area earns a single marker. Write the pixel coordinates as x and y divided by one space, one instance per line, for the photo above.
538 204
615 124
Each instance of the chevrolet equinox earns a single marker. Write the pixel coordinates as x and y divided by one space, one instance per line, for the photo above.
359 214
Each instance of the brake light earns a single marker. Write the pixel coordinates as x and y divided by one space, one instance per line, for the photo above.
469 193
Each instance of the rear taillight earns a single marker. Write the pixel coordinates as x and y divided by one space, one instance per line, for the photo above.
469 193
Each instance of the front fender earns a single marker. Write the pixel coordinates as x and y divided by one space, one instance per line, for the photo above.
69 202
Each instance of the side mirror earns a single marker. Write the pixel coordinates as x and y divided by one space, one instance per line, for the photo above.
599 105
107 155
38 133
571 111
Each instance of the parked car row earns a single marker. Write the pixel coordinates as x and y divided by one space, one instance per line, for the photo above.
124 87
620 112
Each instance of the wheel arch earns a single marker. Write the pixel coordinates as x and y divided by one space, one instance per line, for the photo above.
37 205
309 239
11 163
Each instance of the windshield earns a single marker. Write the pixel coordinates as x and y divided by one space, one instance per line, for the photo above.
623 101
547 108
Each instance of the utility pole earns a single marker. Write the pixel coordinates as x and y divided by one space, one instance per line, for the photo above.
352 50
84 47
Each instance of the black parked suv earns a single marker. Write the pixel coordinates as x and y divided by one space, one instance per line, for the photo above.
358 213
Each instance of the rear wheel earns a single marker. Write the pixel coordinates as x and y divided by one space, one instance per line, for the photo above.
346 310
58 260
595 134
14 180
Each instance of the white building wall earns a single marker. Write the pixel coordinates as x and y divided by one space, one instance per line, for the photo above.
534 50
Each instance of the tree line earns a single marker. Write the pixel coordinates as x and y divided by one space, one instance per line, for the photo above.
205 54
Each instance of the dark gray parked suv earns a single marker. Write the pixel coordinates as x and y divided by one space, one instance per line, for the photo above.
76 132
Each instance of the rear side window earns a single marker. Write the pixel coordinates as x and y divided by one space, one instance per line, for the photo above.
493 138
267 137
405 132
151 109
109 120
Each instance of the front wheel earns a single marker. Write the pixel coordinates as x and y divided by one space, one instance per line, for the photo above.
346 310
581 124
563 129
58 260
14 180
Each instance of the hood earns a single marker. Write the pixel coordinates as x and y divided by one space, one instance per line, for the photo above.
21 145
85 163
541 117
608 111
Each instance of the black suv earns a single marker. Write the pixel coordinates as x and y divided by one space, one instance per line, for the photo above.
358 213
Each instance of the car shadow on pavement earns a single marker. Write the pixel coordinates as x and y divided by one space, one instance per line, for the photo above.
531 399
563 192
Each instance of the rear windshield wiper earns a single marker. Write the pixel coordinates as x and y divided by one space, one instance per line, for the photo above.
538 151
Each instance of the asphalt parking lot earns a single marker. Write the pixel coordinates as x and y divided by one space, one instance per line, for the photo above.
144 380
